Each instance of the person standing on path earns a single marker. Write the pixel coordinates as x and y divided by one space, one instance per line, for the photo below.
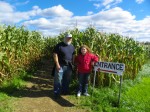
84 61
64 58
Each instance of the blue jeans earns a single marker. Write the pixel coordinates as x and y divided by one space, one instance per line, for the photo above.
62 80
83 79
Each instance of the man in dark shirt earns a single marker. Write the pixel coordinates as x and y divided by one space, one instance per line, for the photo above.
63 58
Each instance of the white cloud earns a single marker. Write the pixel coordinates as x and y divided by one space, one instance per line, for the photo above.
56 11
8 15
35 7
110 3
56 19
139 1
106 4
116 14
89 12
22 3
50 26
97 5
114 20
5 7
7 11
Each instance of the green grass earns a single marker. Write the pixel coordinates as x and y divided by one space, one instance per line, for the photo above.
5 103
10 86
135 96
15 83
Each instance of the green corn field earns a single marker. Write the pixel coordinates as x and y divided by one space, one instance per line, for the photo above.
21 47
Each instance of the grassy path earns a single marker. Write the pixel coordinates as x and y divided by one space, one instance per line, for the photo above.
37 96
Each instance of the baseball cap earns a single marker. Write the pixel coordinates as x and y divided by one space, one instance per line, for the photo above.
68 35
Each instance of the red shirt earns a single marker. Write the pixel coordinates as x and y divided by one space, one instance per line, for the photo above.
84 62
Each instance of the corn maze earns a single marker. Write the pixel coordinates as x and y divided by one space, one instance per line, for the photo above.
20 47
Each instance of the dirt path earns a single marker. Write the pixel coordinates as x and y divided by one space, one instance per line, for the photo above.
37 96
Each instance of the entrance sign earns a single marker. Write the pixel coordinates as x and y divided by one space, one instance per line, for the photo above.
110 67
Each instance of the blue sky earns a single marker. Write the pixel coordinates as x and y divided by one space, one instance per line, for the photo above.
51 17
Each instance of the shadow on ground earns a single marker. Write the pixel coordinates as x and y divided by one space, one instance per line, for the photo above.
41 85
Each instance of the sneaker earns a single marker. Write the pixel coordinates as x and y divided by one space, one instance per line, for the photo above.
86 94
79 94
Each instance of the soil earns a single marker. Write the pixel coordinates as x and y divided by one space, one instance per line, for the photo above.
37 96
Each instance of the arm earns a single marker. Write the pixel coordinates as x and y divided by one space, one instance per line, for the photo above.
55 56
95 58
